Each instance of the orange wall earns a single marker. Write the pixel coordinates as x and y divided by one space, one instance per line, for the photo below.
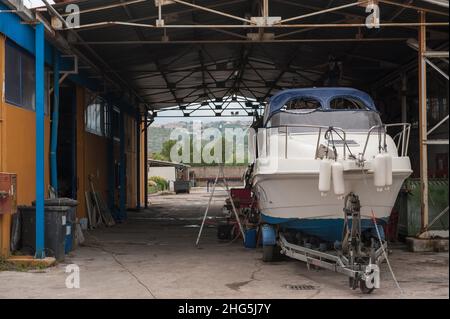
17 152
93 160
131 152
96 163
20 148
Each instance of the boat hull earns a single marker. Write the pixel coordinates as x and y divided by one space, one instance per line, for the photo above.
293 201
327 229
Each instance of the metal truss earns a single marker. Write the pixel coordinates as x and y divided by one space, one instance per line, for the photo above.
229 106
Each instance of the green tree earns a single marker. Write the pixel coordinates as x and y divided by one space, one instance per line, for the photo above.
164 155
167 146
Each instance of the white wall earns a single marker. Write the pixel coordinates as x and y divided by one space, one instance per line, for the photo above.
166 172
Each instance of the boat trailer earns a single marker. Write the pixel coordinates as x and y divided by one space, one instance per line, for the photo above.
353 259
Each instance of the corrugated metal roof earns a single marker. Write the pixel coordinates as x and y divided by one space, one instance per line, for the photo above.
167 73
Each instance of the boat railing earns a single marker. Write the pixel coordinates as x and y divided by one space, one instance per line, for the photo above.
401 139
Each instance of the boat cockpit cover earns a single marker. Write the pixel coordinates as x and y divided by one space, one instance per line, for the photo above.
360 121
323 96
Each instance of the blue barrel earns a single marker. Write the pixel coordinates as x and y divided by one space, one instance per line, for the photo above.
269 235
250 238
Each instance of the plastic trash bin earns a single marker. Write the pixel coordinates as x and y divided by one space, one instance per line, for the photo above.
71 218
54 228
250 238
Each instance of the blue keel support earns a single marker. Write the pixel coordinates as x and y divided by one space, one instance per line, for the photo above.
40 139
269 236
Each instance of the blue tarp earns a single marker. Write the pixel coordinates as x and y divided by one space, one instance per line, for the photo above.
323 95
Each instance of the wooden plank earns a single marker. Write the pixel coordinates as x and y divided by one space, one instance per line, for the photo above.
30 261
109 220
89 210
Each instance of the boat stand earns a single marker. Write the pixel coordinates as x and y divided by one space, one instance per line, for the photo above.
359 264
220 176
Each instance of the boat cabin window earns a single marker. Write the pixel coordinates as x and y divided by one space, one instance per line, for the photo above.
303 103
347 103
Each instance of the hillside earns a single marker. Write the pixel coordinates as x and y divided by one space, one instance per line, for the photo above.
159 133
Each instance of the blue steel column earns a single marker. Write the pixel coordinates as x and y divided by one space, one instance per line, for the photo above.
146 159
74 144
138 160
55 123
111 164
40 139
122 172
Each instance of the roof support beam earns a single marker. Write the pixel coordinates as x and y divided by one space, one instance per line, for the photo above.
438 125
349 5
316 40
442 3
285 68
54 12
111 6
247 26
434 66
412 7
213 11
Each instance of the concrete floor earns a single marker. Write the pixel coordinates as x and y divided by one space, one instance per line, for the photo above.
153 255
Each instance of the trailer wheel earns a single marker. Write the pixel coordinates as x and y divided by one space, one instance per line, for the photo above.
268 253
363 287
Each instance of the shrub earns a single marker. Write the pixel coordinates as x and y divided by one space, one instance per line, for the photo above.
161 182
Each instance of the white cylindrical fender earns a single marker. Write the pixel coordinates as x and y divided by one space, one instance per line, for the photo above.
379 172
388 168
325 176
337 171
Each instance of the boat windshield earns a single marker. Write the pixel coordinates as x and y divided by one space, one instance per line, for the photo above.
347 108
349 120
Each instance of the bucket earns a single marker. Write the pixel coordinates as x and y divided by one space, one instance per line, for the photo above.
250 238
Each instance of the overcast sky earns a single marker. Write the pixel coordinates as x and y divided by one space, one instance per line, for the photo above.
35 3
